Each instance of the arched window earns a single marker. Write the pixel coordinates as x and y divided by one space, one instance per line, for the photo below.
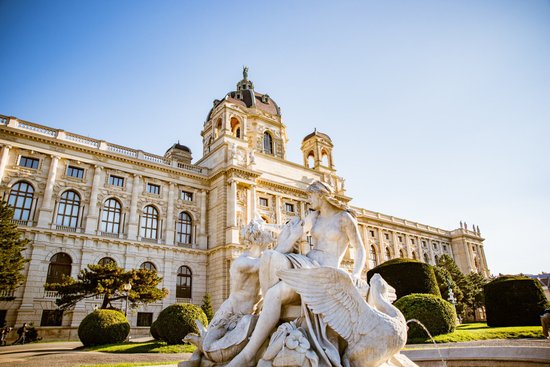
184 283
235 127
148 266
60 266
426 258
218 130
311 160
401 253
106 261
388 254
268 143
20 200
372 258
149 222
414 255
183 228
324 159
110 216
69 209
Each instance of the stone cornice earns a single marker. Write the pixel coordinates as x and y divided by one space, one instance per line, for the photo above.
62 144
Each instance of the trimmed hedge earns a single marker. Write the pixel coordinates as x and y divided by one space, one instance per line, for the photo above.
154 331
407 276
436 314
103 327
178 320
512 300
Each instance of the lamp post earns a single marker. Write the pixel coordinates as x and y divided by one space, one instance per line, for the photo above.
127 287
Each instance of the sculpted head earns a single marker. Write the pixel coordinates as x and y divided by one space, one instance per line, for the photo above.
320 191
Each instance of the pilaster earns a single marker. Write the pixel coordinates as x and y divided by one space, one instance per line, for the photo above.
45 214
133 222
4 160
91 218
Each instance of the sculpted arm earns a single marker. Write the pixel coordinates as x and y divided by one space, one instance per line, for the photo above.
356 242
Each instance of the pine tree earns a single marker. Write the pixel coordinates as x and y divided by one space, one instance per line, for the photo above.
108 281
12 244
207 307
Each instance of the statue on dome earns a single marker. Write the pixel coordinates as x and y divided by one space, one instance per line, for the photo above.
245 72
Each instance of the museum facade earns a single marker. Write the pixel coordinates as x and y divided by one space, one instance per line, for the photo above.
86 201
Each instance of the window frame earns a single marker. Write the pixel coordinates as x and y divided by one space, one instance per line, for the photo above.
71 204
111 216
25 198
31 159
60 264
114 179
184 290
80 172
184 228
263 199
51 318
149 226
186 195
148 319
268 144
289 207
152 187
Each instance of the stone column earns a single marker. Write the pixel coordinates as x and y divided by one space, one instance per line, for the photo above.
133 221
91 218
396 244
169 238
4 160
232 233
430 250
252 203
45 214
278 215
201 239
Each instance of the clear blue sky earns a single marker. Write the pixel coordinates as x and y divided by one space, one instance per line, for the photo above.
439 110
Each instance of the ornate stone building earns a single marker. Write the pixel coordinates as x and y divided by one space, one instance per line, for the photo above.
83 201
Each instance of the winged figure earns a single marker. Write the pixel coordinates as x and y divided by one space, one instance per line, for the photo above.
374 333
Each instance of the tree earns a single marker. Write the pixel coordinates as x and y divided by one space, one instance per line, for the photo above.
12 245
109 281
476 296
448 272
207 307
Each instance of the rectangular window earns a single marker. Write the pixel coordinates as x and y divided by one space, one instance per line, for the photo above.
424 243
289 207
153 189
186 195
386 236
264 202
371 233
75 172
412 241
29 162
144 318
51 318
116 181
400 238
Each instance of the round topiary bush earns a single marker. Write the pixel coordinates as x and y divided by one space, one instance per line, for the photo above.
154 331
514 301
103 327
178 320
407 276
436 314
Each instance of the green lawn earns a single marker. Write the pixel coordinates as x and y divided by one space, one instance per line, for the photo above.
147 347
129 364
480 331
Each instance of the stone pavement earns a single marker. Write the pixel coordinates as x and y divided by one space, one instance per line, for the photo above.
65 354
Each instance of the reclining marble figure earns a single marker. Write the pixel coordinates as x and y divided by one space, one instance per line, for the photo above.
336 327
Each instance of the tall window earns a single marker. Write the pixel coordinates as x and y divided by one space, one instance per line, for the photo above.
60 265
148 266
185 282
20 200
149 222
426 258
183 228
414 255
110 216
105 261
69 208
268 143
372 257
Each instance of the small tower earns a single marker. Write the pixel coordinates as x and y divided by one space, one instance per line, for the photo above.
317 151
179 153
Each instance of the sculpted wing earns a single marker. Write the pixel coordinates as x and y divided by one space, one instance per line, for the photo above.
331 293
